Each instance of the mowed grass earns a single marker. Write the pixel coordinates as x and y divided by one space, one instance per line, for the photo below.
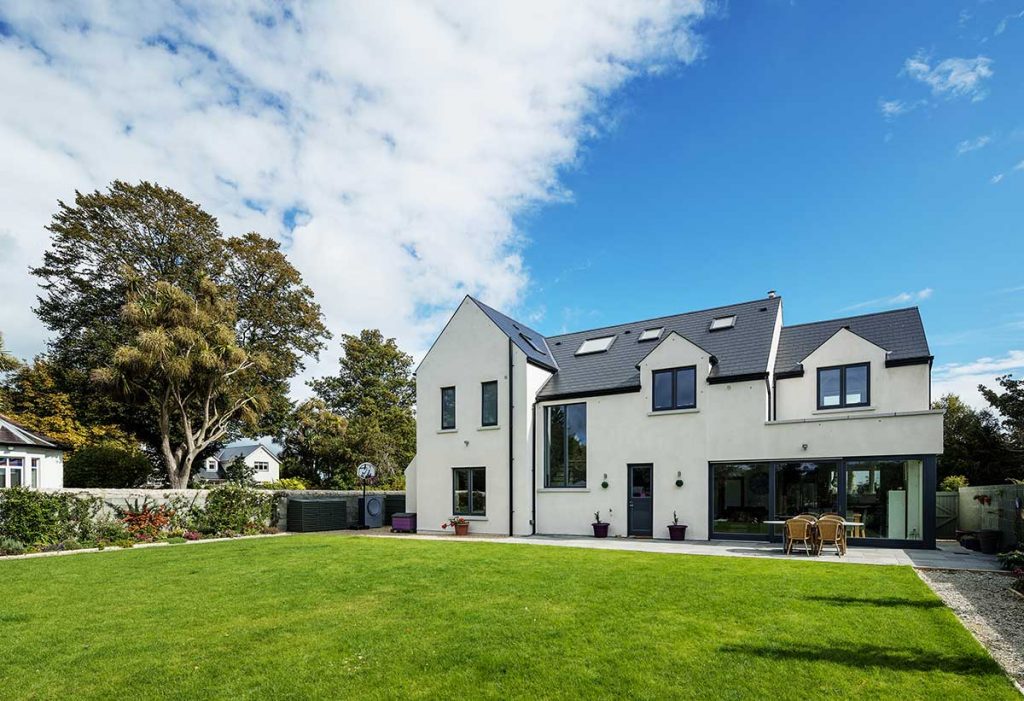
352 617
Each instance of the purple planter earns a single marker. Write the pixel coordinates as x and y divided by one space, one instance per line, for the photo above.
677 532
403 523
600 530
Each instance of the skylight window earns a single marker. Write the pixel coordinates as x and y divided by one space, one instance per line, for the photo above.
595 345
723 322
651 334
533 344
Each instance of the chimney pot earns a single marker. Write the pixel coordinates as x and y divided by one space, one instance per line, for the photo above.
771 294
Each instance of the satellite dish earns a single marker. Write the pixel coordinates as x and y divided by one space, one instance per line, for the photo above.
366 471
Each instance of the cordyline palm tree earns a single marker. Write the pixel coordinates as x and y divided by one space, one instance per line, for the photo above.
185 365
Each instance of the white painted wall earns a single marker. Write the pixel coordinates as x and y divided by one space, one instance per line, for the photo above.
261 454
471 350
895 389
51 465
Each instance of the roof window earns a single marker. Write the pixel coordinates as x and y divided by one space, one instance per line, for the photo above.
595 345
723 322
532 344
651 334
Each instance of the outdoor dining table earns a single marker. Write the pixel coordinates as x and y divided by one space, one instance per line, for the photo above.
847 524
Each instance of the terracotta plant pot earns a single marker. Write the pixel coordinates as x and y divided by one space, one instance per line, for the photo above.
677 532
600 530
461 529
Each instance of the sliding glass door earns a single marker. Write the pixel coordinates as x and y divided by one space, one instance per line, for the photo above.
806 487
885 495
741 498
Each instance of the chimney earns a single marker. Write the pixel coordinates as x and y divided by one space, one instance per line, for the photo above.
771 294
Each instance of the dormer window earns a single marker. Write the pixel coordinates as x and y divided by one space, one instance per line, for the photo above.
722 322
651 334
844 386
595 345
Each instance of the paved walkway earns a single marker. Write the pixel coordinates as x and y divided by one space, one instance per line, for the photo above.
950 555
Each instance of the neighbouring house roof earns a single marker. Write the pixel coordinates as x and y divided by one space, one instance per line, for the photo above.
530 342
741 350
244 451
15 434
900 332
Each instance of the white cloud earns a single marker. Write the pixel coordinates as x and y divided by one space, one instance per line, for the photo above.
891 109
952 77
963 378
1005 21
892 301
390 145
968 145
996 178
1019 166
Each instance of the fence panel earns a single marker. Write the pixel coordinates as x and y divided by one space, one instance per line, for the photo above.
993 507
946 511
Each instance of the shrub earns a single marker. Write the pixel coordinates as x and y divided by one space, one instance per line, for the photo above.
110 531
233 507
286 483
192 535
238 472
953 483
145 522
41 518
108 466
1012 560
10 546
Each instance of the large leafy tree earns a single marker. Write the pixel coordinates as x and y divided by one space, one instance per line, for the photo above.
315 447
1010 404
8 362
974 444
154 248
375 391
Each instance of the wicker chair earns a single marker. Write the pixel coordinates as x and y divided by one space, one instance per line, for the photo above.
831 531
858 531
799 529
811 517
832 515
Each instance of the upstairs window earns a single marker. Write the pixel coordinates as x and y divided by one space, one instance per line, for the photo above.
723 322
675 388
447 408
262 466
651 334
844 386
489 403
595 345
565 451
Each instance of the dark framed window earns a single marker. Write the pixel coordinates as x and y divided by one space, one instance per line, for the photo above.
489 403
565 445
447 408
469 491
674 389
843 386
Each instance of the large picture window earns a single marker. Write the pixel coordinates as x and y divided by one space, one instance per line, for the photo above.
447 408
565 462
844 386
675 388
489 403
469 491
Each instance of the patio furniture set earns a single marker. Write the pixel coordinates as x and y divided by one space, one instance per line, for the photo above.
815 532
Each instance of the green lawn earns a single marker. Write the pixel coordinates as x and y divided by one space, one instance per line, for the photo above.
349 617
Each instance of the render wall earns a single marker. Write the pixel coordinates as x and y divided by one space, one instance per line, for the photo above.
51 464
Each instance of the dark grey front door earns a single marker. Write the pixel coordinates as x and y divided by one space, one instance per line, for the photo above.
640 514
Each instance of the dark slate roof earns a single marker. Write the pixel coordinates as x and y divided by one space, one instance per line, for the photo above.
15 434
522 335
899 331
229 454
741 350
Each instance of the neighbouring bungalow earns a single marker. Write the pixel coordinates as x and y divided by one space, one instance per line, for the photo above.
725 416
29 459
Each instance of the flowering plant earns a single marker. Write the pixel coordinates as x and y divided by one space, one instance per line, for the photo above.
454 521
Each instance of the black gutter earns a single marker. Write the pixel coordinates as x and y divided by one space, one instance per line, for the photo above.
511 431
589 393
900 362
785 374
723 379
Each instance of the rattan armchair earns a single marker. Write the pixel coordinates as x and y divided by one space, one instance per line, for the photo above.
799 529
831 531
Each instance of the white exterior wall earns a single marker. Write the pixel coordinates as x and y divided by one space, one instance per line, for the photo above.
897 389
51 465
261 454
471 350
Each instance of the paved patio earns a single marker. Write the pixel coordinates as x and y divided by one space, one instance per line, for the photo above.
949 556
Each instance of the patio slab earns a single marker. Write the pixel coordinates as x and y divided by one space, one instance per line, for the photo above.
949 555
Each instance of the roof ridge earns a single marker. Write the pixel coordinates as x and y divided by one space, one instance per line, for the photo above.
666 316
855 316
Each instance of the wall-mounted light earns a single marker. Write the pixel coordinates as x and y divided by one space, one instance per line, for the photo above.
604 483
679 478
804 446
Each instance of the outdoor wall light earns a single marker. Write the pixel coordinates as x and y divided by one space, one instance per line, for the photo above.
604 484
804 446
679 478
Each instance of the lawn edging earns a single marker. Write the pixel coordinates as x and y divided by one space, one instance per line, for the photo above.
159 544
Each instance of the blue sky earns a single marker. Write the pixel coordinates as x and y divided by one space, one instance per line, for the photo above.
571 163
769 164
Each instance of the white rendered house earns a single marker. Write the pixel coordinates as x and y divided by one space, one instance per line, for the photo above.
266 467
724 416
29 459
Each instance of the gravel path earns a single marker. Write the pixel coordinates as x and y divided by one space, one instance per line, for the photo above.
995 615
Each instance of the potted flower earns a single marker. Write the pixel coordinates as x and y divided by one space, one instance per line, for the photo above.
600 527
676 530
460 525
